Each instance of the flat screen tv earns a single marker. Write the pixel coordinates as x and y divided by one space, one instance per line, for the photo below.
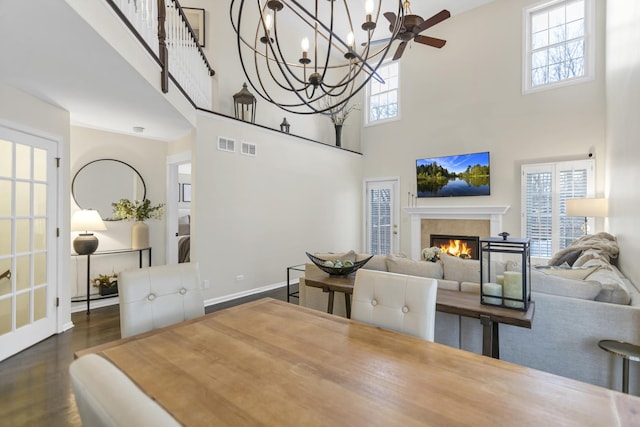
452 176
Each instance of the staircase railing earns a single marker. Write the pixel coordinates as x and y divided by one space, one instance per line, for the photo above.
162 26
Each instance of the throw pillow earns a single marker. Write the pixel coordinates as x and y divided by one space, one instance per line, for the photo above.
615 289
377 262
570 257
460 270
576 273
414 268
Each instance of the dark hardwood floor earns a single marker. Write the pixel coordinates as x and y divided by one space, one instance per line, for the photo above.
35 387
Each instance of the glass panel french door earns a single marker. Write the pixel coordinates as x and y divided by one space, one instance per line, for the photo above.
28 186
382 214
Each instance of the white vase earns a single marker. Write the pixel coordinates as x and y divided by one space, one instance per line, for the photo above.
139 235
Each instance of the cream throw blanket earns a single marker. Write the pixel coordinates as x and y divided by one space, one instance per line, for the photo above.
603 242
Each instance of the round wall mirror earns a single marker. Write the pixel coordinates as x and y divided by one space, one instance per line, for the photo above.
102 182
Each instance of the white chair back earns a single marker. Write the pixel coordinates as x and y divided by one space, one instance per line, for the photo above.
398 302
155 297
105 396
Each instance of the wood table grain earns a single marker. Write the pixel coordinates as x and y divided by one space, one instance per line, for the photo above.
454 302
269 363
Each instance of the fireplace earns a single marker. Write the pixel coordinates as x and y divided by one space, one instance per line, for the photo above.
461 246
462 215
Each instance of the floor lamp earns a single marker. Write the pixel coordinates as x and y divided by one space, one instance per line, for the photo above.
593 207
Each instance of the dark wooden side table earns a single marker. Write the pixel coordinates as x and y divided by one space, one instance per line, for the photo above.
454 302
627 352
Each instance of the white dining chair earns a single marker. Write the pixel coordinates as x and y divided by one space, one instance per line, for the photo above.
394 301
155 297
105 396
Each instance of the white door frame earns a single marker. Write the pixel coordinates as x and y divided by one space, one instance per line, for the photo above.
171 208
395 201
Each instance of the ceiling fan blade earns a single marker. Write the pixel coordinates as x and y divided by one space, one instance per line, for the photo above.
435 19
375 42
400 51
391 17
430 41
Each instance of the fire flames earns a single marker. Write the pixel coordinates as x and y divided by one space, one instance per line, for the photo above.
456 248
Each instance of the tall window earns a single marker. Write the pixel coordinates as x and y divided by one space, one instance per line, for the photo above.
558 45
545 190
382 98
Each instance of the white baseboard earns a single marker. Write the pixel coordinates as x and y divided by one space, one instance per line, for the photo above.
249 292
82 305
66 327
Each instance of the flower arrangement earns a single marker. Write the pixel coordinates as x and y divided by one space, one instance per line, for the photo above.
105 280
138 210
339 114
431 254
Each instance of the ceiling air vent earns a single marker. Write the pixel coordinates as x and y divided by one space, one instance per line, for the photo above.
248 148
226 144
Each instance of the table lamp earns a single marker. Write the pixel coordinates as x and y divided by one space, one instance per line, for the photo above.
86 220
591 207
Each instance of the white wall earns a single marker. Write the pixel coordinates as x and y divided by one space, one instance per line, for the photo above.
254 216
26 113
623 130
467 98
148 157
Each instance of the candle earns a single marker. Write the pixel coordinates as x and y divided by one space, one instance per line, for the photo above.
492 289
513 288
500 279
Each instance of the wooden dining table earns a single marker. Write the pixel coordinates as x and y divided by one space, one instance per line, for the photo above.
270 363
465 304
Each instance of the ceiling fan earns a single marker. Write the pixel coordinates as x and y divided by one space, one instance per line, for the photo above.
413 25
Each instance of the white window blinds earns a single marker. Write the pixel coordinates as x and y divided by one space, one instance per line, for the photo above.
380 221
545 190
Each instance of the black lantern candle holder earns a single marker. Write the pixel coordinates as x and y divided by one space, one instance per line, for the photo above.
285 126
244 104
513 289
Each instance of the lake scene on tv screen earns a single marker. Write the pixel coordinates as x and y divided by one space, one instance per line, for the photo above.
451 176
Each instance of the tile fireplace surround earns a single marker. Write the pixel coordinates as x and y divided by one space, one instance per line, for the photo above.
492 214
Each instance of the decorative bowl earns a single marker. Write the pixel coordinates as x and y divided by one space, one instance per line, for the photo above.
337 271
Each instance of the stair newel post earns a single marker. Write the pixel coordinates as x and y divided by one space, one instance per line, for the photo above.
163 51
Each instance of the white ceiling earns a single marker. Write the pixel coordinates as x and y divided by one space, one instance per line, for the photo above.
52 53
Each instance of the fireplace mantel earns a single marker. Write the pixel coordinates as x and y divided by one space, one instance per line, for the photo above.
493 214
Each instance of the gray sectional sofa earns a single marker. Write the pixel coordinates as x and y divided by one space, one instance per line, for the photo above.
575 307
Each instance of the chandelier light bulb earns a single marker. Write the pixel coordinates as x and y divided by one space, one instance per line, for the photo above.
267 22
304 44
368 7
350 39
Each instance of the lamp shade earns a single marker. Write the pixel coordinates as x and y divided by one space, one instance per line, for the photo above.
87 220
598 207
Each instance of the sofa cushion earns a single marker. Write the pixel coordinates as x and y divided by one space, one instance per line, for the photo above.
577 273
562 286
411 267
460 270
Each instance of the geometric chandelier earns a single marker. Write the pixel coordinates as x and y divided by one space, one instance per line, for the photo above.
308 56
